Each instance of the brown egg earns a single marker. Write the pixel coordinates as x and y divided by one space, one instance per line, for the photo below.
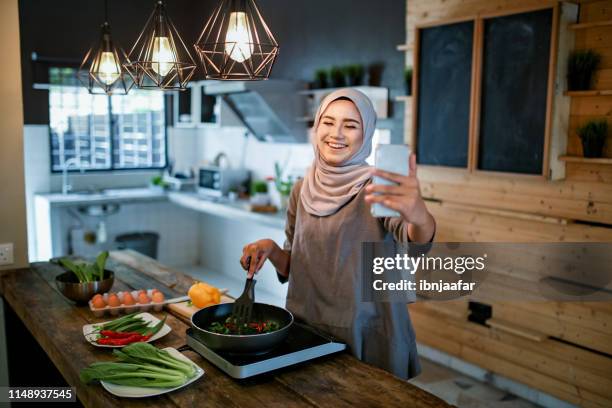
143 298
113 300
128 299
158 297
98 302
141 291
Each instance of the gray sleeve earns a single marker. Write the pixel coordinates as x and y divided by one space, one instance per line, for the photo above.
399 229
290 222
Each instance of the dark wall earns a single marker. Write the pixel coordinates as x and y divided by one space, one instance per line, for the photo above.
312 34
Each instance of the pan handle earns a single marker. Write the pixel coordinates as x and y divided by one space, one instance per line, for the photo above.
185 347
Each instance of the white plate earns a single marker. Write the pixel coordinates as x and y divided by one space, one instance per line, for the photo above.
91 335
141 392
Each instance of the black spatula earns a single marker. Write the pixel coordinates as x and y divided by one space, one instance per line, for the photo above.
243 306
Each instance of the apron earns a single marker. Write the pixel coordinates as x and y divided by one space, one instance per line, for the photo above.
325 287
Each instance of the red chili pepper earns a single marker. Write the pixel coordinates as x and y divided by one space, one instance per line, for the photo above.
116 335
122 341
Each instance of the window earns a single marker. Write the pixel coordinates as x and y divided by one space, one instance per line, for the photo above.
100 132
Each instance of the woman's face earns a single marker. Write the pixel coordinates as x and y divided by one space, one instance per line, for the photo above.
340 133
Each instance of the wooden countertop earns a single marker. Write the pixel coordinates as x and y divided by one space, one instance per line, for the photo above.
56 323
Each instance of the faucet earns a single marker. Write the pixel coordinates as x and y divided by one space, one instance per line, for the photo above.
74 162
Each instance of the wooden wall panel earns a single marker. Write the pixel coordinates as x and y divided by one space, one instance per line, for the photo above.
510 208
554 367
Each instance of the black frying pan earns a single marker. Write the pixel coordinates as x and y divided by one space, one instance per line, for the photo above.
241 344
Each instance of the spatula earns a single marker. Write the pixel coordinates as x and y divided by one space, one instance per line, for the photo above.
243 306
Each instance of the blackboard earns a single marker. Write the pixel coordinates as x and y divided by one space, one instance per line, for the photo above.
516 54
443 92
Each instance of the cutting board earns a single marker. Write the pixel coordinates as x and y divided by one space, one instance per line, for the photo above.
184 311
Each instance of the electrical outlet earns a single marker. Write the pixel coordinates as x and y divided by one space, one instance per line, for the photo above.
6 254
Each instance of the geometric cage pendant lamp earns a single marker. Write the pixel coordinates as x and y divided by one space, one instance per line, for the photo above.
236 43
159 58
102 71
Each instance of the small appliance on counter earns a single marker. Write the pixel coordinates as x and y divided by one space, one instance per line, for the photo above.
215 181
180 182
303 343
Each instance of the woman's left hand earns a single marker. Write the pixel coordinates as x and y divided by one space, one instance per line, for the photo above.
405 197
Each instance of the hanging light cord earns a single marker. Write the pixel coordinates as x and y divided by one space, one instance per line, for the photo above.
106 11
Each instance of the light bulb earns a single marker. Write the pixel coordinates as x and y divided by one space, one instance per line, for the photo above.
238 42
108 69
162 57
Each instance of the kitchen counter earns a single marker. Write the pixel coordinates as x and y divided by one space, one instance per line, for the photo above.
110 196
338 380
234 210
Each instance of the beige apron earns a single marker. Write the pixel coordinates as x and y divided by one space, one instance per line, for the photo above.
325 283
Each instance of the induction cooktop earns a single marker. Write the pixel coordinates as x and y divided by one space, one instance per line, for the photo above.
303 343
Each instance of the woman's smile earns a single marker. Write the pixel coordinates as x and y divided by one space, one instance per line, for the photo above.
336 146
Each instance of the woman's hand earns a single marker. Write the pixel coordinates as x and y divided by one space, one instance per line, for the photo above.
254 255
405 198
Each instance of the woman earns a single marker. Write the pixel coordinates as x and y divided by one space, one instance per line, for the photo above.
328 218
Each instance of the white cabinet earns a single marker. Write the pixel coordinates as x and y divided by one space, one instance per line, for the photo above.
192 108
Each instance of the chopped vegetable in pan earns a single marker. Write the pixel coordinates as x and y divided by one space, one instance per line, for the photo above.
229 326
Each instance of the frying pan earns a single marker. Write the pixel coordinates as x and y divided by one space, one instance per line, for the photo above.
241 344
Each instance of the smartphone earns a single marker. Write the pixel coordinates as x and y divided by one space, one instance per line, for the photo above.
393 158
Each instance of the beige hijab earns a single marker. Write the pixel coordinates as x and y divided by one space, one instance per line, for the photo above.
326 188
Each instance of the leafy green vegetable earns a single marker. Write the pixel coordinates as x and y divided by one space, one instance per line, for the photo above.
152 355
229 326
133 324
85 271
141 365
100 263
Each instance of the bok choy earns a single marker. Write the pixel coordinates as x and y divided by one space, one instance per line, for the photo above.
141 365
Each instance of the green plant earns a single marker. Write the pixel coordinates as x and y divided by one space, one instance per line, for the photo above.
354 74
159 181
321 79
580 68
408 80
259 186
593 137
283 187
337 77
86 271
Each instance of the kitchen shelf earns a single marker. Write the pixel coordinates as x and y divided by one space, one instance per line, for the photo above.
592 160
581 26
404 47
594 92
403 98
378 95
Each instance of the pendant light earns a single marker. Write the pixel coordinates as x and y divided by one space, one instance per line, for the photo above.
236 43
160 59
102 69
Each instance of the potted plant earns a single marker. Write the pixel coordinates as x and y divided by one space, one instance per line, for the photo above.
158 184
375 71
408 80
337 77
580 68
593 136
321 79
84 279
354 74
259 193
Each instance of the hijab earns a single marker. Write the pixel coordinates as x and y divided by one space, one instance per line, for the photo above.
327 188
